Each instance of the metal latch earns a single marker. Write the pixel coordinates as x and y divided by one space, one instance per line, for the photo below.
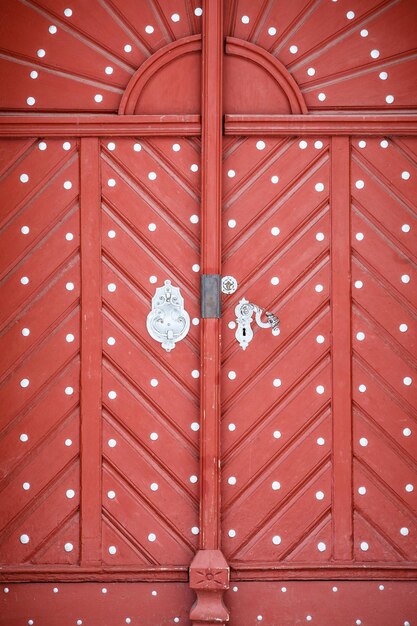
244 317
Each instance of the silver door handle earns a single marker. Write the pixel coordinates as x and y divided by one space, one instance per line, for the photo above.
244 311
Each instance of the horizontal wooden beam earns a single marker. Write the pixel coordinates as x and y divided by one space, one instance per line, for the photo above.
343 571
362 125
73 573
98 125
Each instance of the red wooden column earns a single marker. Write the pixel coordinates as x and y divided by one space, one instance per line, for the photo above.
91 347
209 572
341 349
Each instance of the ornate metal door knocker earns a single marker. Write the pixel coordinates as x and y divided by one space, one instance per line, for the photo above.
168 322
244 311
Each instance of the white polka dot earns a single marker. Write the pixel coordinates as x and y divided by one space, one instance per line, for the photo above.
24 382
363 442
272 31
195 321
112 395
320 339
275 231
111 234
362 388
405 175
79 622
176 147
70 493
404 531
259 618
359 236
111 287
293 49
283 589
320 236
68 547
232 480
195 267
232 533
406 228
322 97
24 280
152 227
384 143
358 622
274 179
151 537
34 74
112 443
319 187
195 374
309 618
194 167
231 223
360 336
275 280
41 53
195 530
407 432
260 145
153 279
362 491
375 54
303 145
320 389
175 17
320 441
55 589
407 381
98 97
319 495
66 145
319 288
409 488
69 391
232 427
149 29
350 15
231 173
67 12
277 382
69 236
26 486
154 382
6 590
108 70
25 230
153 436
24 539
195 426
277 434
111 341
245 19
231 375
127 48
364 32
194 219
358 284
383 75
321 546
154 486
152 175
25 332
276 540
389 99
276 485
405 278
129 621
24 178
23 437
364 546
111 182
198 11
311 71
67 184
104 590
30 101
112 549
137 147
359 184
318 145
69 338
68 442
193 479
111 495
362 144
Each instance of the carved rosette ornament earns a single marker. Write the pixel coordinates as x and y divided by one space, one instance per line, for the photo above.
209 578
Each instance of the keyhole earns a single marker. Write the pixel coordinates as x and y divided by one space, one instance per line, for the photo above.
244 332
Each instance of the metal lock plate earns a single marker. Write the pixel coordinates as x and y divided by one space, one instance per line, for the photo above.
168 322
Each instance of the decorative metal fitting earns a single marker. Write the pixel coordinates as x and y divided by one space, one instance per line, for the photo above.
229 284
168 322
244 311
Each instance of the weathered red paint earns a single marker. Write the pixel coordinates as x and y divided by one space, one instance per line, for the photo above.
366 413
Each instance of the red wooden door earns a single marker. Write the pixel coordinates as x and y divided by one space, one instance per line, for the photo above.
163 142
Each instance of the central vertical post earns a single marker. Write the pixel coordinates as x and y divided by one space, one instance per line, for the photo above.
209 572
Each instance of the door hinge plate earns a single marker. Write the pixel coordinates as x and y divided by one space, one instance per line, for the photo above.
210 296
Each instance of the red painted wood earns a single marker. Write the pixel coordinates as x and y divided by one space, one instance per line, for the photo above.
341 349
91 355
